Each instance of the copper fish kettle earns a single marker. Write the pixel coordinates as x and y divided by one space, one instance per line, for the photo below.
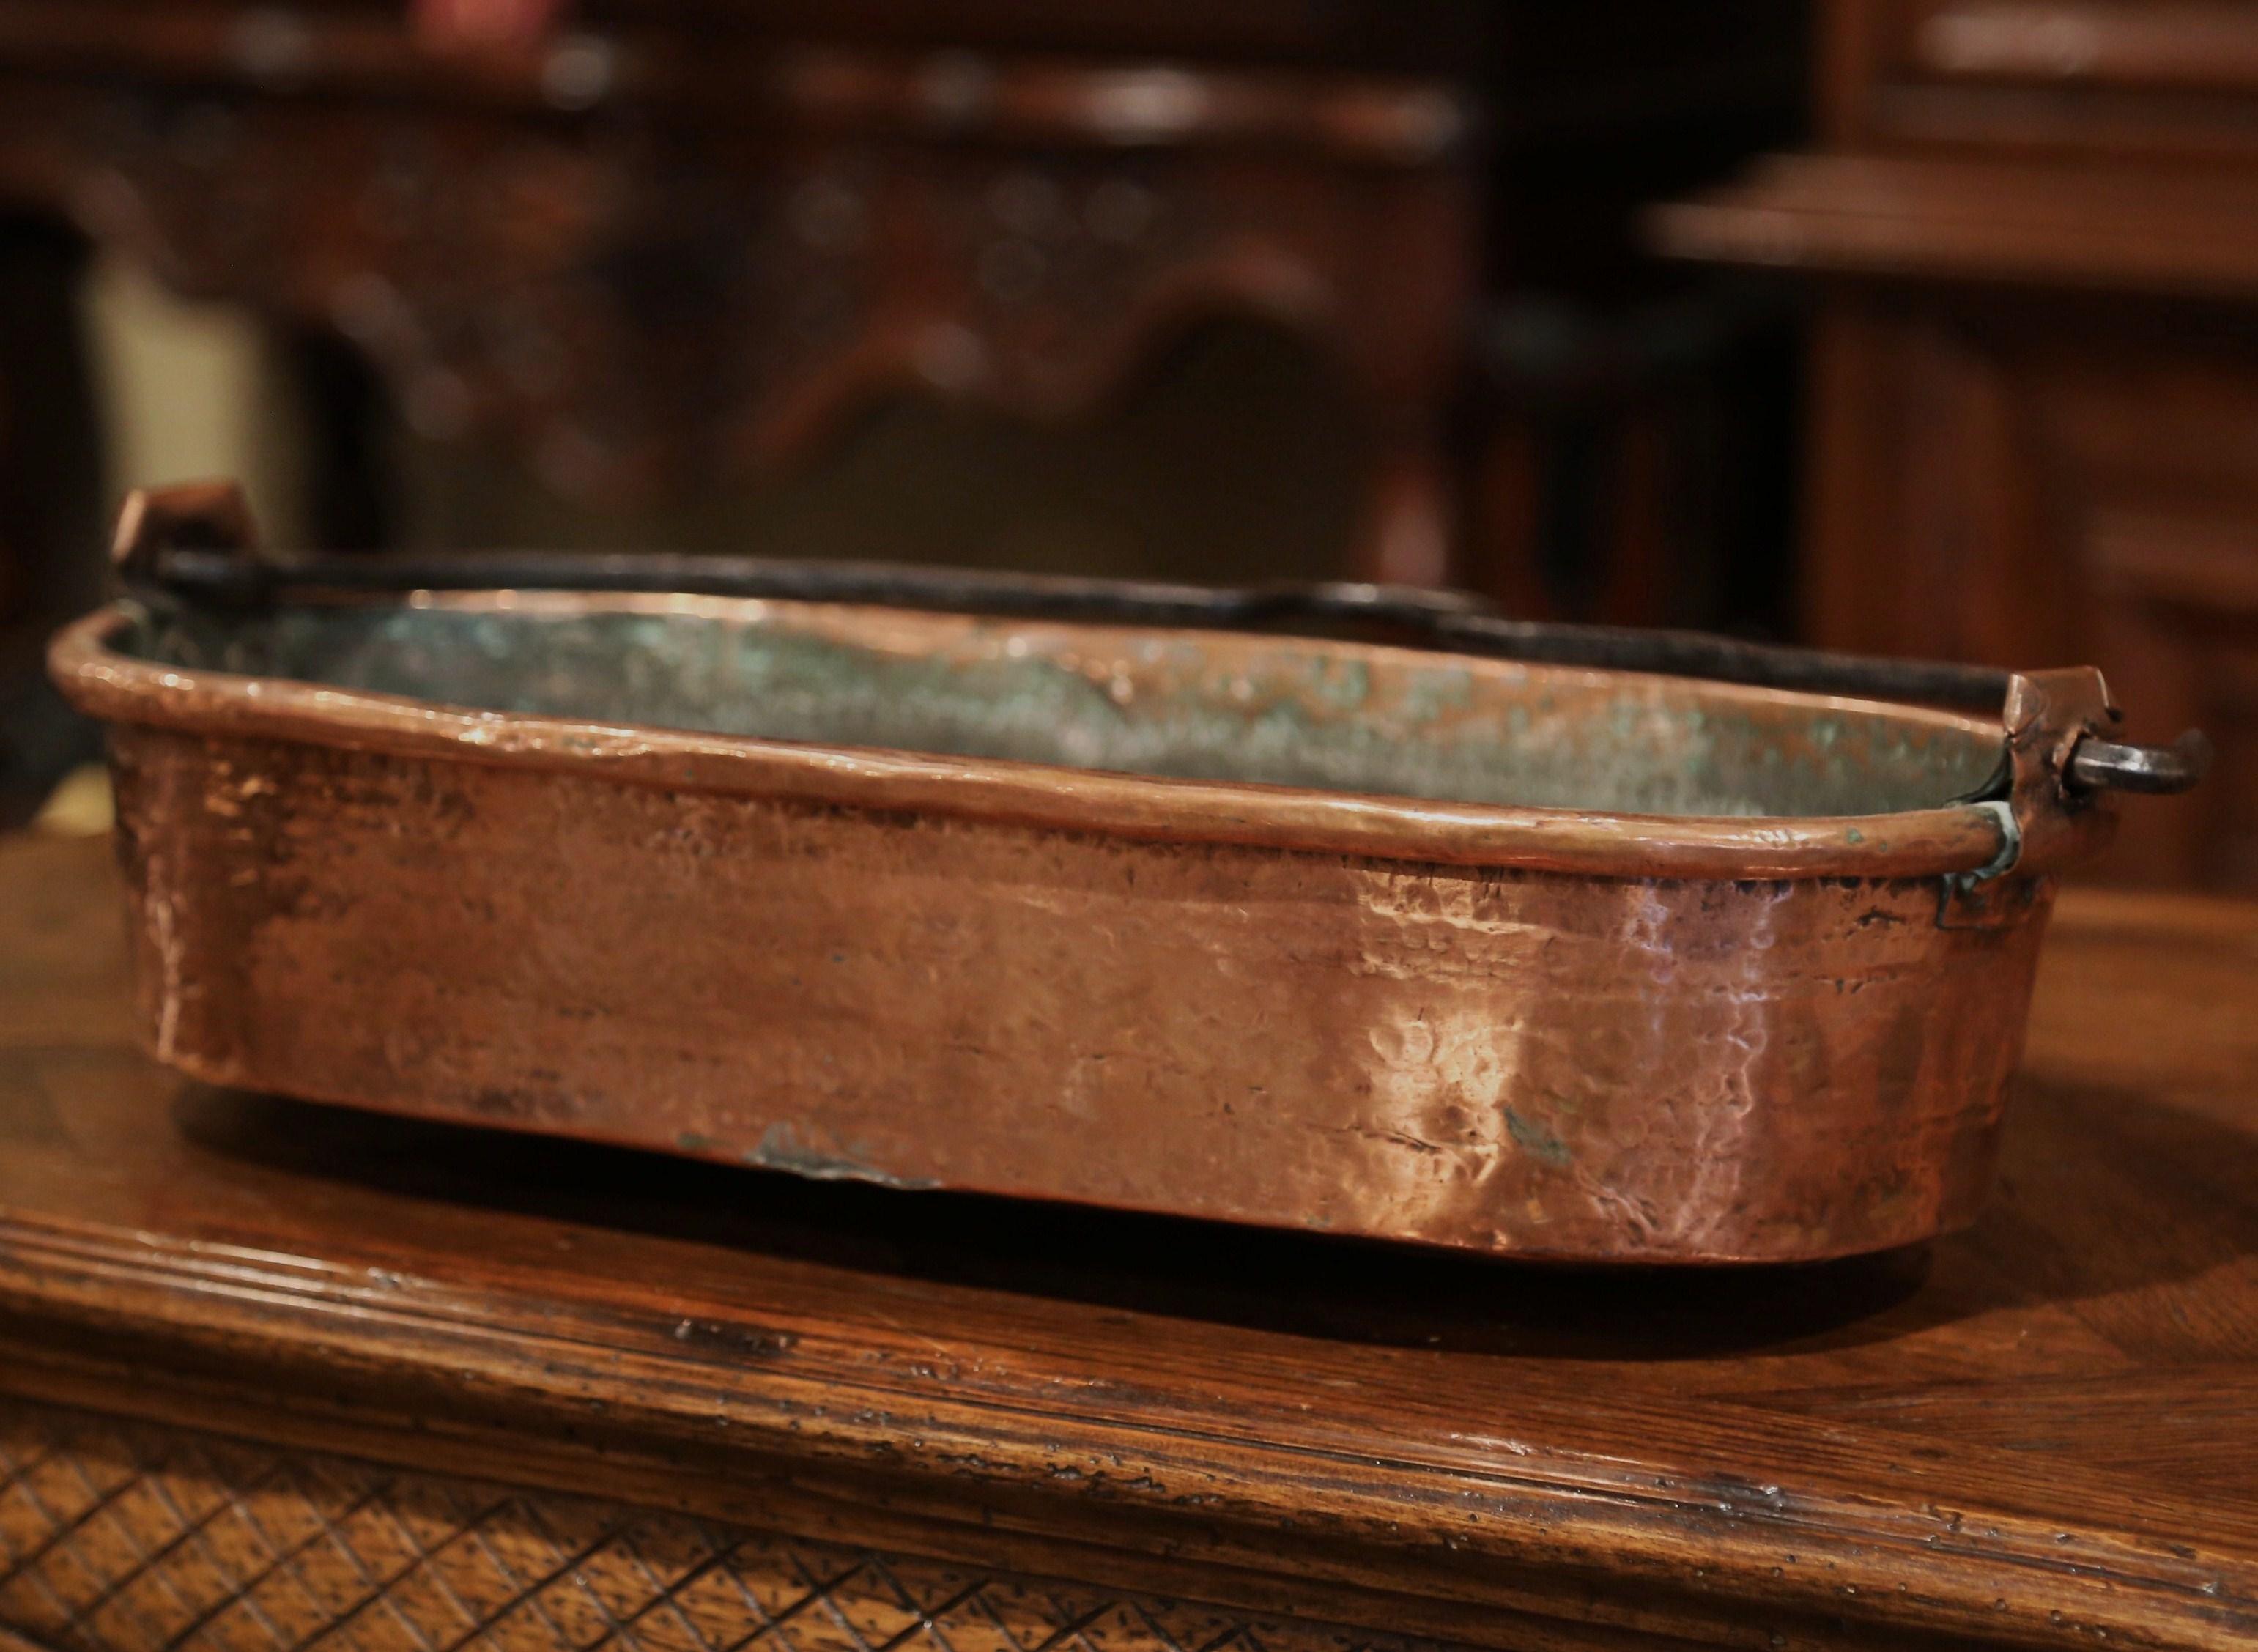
1087 894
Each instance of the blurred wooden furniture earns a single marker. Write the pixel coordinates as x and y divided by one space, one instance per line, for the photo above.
648 246
658 243
2035 415
1633 465
277 1376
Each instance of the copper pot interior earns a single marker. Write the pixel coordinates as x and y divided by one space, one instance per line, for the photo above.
1330 716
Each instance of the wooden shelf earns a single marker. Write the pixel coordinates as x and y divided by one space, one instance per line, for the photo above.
2120 229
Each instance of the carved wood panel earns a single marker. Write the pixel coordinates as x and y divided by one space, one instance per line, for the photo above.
655 282
121 1537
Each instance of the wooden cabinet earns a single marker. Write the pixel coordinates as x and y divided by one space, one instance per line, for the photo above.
2047 486
2033 426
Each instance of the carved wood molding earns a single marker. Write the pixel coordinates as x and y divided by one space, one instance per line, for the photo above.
740 72
123 1536
1413 1526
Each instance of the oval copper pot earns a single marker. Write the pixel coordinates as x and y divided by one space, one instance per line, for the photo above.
1535 1031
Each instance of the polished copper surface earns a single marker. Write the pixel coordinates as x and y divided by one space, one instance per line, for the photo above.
1542 1031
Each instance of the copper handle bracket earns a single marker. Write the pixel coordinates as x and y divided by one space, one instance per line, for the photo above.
155 523
2053 801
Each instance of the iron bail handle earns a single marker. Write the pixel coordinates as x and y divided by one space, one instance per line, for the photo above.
196 542
2110 765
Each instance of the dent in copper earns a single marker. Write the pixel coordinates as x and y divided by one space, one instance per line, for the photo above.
1539 1032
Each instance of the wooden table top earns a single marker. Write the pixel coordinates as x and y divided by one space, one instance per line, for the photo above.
2044 1430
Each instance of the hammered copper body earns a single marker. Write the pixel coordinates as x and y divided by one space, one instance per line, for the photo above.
1532 1029
1514 958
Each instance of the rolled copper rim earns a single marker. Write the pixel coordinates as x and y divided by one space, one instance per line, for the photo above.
1961 839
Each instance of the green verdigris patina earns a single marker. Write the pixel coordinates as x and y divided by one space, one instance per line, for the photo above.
1188 705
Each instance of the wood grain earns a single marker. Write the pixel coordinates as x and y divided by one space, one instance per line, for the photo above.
2027 1435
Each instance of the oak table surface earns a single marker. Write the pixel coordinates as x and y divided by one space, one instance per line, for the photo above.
564 1364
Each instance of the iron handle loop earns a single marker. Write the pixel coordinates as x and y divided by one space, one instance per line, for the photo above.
2110 765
